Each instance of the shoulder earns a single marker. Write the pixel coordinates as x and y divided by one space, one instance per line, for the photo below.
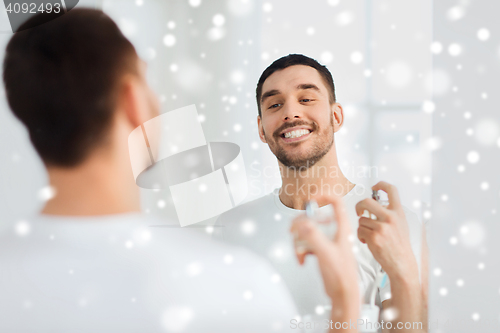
262 205
411 217
144 238
237 224
357 193
415 228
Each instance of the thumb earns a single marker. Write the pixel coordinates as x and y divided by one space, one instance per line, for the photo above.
318 243
340 215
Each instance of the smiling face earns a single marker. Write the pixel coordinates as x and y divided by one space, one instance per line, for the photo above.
298 121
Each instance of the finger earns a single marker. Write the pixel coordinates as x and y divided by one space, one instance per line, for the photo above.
301 257
318 244
364 234
392 192
340 214
297 222
369 223
308 232
373 207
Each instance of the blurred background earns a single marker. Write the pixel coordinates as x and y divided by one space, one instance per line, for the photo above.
417 82
464 229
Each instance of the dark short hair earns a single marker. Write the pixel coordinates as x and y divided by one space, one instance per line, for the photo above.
292 60
61 80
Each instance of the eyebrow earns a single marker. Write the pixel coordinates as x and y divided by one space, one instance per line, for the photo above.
305 86
269 94
302 86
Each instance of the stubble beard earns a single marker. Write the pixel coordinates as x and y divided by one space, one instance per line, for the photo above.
322 146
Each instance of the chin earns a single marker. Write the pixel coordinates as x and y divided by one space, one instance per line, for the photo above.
298 161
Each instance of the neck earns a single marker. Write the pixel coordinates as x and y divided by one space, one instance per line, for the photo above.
302 184
101 185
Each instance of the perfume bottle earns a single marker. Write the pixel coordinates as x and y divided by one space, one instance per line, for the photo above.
322 219
376 197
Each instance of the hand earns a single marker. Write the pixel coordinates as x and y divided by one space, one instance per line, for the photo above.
335 257
388 236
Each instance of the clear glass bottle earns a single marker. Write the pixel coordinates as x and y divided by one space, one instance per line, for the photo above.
324 221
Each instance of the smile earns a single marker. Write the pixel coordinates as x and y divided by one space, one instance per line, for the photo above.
296 133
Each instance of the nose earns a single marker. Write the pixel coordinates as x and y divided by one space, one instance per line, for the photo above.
289 118
290 112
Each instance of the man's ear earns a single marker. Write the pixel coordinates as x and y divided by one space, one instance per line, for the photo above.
338 116
133 101
261 130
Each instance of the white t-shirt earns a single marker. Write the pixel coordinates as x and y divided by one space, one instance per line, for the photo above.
263 226
120 273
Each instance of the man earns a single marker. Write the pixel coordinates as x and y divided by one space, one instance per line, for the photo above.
89 262
298 116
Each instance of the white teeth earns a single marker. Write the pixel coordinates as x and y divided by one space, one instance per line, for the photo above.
296 134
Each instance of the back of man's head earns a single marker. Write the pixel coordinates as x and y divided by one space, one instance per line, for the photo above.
61 80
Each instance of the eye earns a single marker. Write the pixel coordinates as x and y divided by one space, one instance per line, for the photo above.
274 106
306 100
